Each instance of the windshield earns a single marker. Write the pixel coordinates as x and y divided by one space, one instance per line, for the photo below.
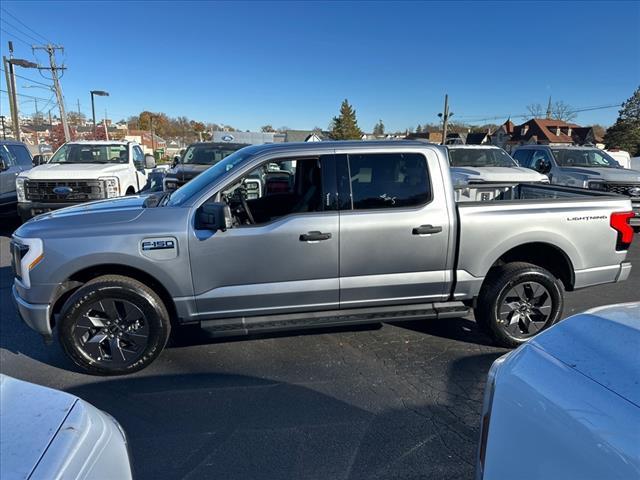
584 158
206 154
480 157
87 153
209 176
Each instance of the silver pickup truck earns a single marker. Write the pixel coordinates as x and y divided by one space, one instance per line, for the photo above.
341 233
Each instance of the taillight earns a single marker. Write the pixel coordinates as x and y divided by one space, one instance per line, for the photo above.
620 223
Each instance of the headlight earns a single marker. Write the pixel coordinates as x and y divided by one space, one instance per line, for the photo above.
596 186
112 187
28 253
20 189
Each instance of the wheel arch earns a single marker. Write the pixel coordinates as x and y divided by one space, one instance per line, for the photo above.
79 278
542 254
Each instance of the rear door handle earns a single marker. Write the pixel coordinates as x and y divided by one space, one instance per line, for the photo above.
314 236
426 229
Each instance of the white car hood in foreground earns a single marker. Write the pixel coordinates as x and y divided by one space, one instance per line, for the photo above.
463 175
74 171
46 433
602 344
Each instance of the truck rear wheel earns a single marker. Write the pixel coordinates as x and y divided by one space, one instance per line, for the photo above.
517 301
113 325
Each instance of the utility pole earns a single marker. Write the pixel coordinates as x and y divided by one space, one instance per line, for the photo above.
445 119
4 136
78 122
153 142
51 50
11 90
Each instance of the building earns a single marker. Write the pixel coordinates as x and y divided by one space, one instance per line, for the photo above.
247 138
542 131
143 138
431 137
305 136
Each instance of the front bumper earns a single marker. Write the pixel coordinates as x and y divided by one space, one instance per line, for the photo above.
34 315
28 210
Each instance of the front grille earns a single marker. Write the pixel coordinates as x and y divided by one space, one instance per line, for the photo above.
621 188
80 190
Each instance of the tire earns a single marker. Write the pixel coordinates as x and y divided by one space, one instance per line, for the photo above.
113 325
517 301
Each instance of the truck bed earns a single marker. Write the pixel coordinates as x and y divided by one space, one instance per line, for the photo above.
494 219
484 192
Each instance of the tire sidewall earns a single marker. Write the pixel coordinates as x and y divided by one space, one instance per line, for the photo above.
545 279
154 312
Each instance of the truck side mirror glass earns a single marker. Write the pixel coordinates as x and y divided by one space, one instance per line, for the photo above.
3 166
176 161
214 216
149 161
544 167
38 160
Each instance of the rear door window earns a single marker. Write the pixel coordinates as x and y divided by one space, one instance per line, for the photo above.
388 180
523 158
21 154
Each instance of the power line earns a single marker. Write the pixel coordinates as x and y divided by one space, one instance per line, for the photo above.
21 32
25 25
13 35
479 118
23 95
29 79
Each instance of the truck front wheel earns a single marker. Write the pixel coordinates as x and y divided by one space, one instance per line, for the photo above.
517 301
113 325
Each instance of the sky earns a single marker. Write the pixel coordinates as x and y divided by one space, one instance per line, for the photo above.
292 63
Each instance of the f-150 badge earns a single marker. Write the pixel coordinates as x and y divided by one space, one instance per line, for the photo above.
164 248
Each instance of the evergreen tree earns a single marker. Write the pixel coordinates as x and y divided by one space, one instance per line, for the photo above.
625 133
345 125
419 129
378 129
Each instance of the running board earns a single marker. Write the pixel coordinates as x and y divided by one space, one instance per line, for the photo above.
329 318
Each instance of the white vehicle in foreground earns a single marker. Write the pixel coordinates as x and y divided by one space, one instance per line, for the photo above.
80 172
487 164
569 399
47 434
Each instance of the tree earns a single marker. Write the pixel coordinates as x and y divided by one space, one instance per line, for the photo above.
598 130
378 129
558 111
419 128
57 135
76 118
625 133
345 125
267 129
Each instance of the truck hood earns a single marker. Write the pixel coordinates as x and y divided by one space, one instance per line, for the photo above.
30 417
605 174
495 174
76 171
602 344
186 172
85 215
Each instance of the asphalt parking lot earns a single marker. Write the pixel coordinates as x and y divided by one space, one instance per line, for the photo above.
400 401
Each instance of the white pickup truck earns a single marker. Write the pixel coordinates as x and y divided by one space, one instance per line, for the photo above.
487 164
83 171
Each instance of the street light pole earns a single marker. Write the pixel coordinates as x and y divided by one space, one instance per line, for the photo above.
445 119
100 93
153 143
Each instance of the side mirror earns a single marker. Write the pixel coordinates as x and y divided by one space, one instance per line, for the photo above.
3 166
545 167
38 160
214 216
176 161
149 161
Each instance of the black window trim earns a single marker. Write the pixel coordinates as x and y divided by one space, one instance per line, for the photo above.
389 209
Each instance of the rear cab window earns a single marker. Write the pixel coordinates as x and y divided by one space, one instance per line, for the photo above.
388 180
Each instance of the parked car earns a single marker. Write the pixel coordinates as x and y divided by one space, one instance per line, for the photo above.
15 158
361 232
82 171
620 156
47 433
585 167
486 163
195 160
571 396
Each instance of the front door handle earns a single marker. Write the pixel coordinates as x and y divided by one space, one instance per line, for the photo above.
426 229
314 236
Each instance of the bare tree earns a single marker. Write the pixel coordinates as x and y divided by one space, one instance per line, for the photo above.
563 111
536 110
